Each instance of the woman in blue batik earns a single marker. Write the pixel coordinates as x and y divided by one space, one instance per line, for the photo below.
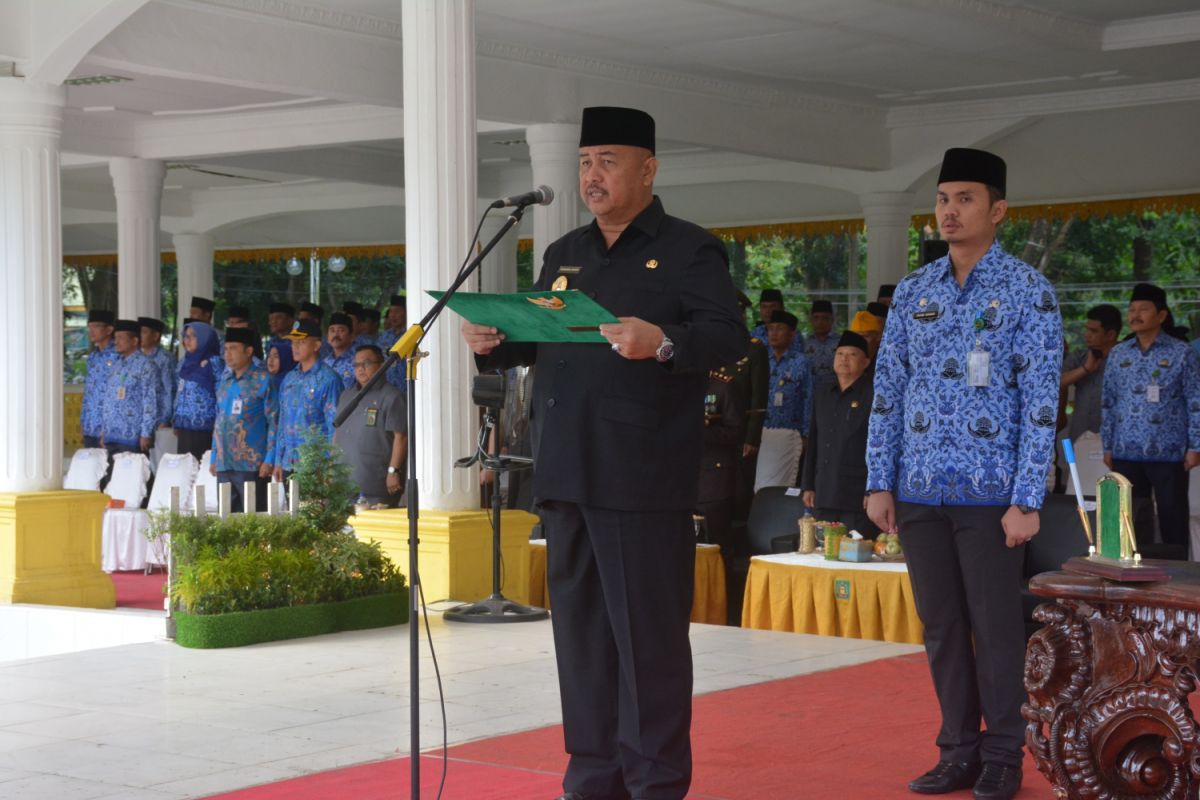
279 363
196 395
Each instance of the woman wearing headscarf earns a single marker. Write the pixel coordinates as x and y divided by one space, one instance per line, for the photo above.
279 363
196 397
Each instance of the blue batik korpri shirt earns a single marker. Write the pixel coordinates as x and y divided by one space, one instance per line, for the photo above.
241 434
343 365
789 400
306 400
820 358
199 373
395 374
937 440
760 333
164 366
1150 403
130 400
99 363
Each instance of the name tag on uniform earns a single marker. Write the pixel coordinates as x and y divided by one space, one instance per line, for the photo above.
120 392
372 413
924 316
978 367
181 384
779 399
237 406
1152 393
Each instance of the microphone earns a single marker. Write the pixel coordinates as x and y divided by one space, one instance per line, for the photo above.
542 196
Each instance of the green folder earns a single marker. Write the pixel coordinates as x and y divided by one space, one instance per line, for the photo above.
567 316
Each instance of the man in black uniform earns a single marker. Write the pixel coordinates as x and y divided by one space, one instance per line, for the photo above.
834 477
724 437
617 436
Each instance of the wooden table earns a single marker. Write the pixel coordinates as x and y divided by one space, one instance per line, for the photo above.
708 602
807 594
1108 679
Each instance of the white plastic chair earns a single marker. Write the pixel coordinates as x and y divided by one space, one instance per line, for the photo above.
130 473
174 469
87 469
208 481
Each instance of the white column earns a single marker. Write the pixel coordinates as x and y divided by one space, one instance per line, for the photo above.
138 185
498 272
554 153
31 404
440 204
194 260
888 216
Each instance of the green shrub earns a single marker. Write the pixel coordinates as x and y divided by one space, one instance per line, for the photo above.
327 488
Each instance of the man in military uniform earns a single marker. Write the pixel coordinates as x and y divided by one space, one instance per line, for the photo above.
618 433
100 360
724 439
834 478
960 443
820 346
131 410
789 407
1150 416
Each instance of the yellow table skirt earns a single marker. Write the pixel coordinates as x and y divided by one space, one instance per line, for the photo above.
708 603
799 593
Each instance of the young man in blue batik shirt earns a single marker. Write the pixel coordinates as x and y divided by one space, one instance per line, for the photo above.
960 443
1150 415
789 406
131 397
241 436
100 360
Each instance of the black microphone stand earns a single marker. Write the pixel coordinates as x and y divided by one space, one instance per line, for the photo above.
406 348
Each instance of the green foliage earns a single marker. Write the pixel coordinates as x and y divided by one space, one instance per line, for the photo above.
327 488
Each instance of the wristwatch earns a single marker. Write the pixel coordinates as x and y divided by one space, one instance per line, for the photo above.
392 470
665 351
1024 509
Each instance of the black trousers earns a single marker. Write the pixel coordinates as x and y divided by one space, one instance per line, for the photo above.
194 442
91 441
237 481
1168 483
621 588
967 587
855 519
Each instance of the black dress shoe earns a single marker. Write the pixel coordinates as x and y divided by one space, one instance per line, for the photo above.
947 776
572 796
998 782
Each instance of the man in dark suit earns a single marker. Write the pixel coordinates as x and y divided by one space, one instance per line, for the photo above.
617 436
834 476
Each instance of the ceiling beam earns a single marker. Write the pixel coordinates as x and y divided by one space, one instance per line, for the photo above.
1156 31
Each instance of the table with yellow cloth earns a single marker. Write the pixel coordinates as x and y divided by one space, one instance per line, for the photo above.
807 594
708 603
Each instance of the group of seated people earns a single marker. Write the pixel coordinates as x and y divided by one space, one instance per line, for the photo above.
251 401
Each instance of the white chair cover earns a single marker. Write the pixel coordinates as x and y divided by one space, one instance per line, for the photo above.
1089 459
123 543
87 469
208 481
174 469
129 475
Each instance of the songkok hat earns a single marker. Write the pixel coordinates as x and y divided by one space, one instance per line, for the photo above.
239 312
353 307
852 339
281 308
878 309
977 166
151 323
128 326
372 314
203 303
615 125
886 290
338 318
785 317
770 296
245 336
866 321
102 315
1150 292
822 307
312 308
305 329
398 300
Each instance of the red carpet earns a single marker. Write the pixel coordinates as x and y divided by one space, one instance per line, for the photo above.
859 733
136 590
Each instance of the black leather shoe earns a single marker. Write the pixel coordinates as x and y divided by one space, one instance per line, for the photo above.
947 776
998 782
572 796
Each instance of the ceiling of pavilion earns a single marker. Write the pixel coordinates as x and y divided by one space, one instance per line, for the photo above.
280 121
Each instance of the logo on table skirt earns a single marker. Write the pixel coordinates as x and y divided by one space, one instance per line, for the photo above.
841 589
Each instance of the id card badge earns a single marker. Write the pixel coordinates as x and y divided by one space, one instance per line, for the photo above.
779 399
1152 393
979 363
121 393
237 406
371 414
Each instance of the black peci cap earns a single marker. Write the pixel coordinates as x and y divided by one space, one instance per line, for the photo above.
1150 292
616 125
340 318
822 307
102 315
152 323
312 308
203 303
128 326
246 336
977 166
852 339
281 308
786 318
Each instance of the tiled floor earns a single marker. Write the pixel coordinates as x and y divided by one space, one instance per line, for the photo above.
157 721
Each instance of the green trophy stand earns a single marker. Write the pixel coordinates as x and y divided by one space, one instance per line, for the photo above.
1117 557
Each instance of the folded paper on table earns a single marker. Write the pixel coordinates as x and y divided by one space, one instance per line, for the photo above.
567 316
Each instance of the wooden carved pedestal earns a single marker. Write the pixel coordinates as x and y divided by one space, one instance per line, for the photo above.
1108 679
